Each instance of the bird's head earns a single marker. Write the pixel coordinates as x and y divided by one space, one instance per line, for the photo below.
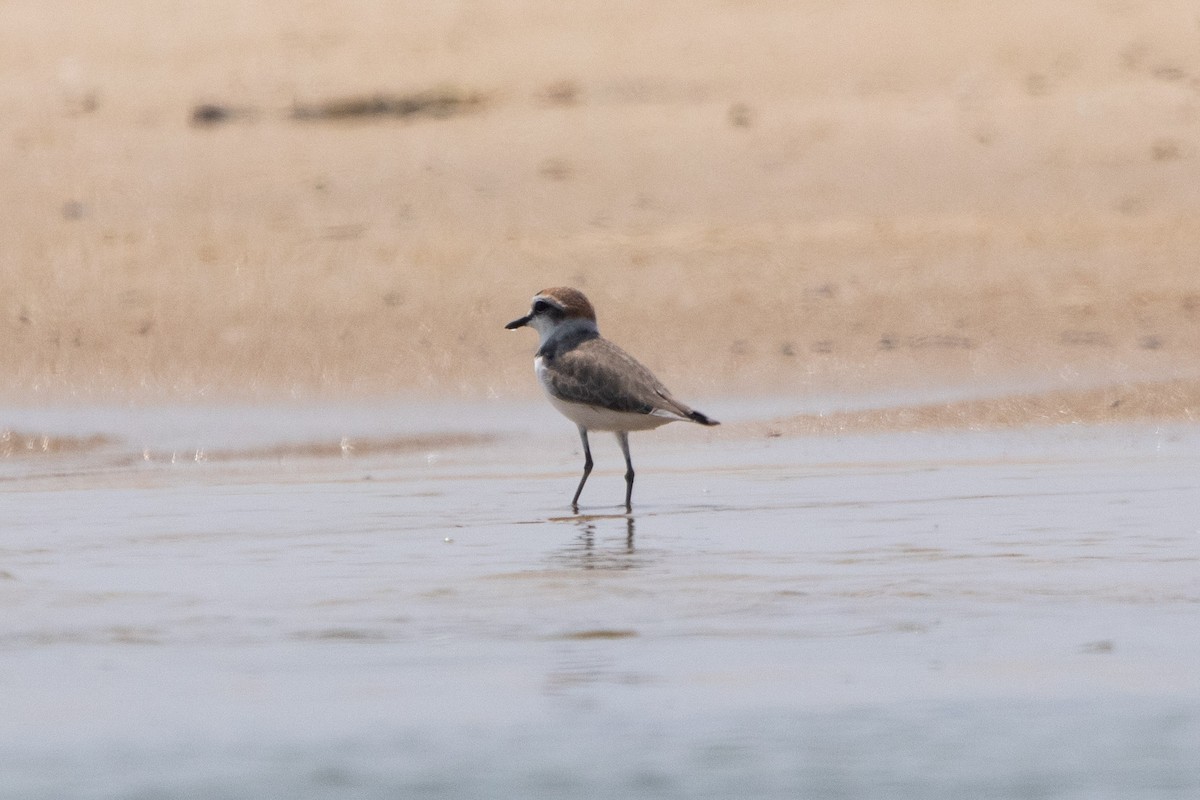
553 308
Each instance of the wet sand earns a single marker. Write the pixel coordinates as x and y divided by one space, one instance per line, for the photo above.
935 614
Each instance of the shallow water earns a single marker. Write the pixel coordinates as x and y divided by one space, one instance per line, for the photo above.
384 603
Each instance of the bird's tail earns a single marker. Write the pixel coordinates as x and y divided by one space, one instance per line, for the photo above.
696 416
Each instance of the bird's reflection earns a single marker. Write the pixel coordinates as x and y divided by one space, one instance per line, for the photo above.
592 549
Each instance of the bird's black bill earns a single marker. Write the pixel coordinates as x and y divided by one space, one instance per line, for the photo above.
518 323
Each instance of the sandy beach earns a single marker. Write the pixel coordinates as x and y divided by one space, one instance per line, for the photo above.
840 197
285 517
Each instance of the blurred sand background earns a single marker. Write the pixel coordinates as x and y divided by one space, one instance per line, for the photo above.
759 198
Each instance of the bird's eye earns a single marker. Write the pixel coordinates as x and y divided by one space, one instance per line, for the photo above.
540 307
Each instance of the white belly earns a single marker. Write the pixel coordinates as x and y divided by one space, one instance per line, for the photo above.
599 419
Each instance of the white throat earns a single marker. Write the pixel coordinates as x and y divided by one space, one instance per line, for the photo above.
548 328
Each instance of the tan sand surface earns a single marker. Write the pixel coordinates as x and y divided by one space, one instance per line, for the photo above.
759 197
1175 400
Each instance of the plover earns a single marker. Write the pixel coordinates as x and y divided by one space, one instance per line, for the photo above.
594 383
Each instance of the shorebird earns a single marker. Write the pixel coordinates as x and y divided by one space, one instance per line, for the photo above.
594 383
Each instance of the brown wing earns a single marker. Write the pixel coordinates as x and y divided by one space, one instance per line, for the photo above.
598 373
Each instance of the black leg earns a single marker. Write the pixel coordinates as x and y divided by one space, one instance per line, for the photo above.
587 468
623 439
